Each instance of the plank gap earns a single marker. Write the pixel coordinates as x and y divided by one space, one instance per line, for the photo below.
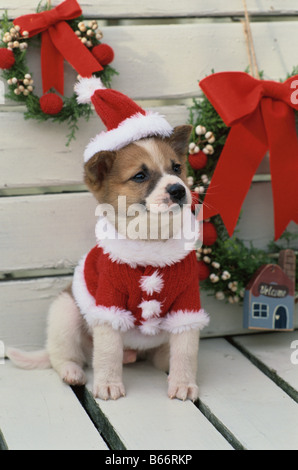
270 373
41 190
3 445
35 274
153 15
219 425
99 419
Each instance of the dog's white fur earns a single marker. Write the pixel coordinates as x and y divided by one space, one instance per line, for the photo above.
69 348
69 342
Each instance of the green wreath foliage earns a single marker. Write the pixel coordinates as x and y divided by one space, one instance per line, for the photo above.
71 111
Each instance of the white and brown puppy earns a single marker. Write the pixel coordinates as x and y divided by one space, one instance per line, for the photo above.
146 294
150 171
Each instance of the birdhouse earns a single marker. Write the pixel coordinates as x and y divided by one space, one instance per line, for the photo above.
269 296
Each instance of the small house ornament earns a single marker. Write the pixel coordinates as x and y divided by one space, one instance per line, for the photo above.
270 295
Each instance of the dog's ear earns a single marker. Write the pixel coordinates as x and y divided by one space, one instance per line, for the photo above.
97 168
179 139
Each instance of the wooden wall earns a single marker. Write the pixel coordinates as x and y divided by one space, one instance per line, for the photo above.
162 49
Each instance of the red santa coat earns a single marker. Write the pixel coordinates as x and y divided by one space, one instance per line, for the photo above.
149 298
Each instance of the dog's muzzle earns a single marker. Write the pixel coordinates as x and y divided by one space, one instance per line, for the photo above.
177 192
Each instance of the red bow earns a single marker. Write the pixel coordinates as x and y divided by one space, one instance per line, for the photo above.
262 117
58 42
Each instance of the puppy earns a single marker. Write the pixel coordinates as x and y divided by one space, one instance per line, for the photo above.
136 293
156 176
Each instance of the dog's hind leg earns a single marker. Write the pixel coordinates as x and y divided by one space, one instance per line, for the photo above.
160 357
67 339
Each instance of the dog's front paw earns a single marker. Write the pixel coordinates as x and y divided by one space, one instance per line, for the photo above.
105 391
182 390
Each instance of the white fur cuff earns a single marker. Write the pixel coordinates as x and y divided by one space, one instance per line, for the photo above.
118 318
184 320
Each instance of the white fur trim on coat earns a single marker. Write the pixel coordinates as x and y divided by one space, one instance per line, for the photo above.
135 339
150 308
151 326
151 284
141 252
184 320
119 319
130 130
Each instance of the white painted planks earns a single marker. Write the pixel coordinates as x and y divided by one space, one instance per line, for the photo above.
252 407
166 61
55 231
46 231
34 154
23 310
25 303
248 408
245 405
147 419
39 412
278 353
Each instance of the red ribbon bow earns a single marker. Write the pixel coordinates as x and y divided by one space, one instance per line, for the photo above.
261 116
58 42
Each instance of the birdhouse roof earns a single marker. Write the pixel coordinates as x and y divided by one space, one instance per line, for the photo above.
267 275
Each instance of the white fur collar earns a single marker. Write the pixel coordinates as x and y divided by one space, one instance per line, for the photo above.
142 252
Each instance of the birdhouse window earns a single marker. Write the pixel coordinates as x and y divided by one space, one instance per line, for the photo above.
260 310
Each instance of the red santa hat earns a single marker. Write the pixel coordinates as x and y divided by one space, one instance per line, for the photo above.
126 122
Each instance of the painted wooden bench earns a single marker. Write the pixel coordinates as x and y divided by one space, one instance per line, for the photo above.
248 383
248 400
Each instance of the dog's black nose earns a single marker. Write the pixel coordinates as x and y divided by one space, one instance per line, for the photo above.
176 191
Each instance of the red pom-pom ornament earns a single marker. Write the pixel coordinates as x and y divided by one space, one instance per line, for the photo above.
7 59
103 53
51 103
209 234
204 270
197 160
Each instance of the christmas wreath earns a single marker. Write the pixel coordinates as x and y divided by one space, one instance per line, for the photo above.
226 263
63 34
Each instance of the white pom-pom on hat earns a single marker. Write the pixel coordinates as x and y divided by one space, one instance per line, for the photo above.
86 87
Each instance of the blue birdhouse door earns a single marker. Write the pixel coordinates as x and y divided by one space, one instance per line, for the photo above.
281 317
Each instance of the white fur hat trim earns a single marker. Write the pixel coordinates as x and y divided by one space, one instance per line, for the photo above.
130 130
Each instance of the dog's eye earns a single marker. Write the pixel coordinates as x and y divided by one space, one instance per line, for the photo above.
176 168
140 177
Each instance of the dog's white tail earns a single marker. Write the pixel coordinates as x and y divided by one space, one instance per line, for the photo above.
29 360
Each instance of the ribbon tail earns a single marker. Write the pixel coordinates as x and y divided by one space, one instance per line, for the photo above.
279 119
52 62
244 150
72 49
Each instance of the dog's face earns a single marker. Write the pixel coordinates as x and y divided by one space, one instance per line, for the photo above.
150 173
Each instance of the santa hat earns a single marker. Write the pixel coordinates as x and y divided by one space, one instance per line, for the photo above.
126 122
